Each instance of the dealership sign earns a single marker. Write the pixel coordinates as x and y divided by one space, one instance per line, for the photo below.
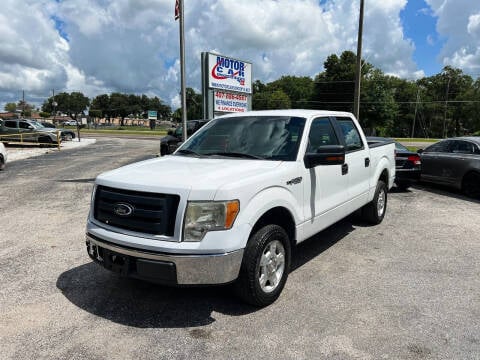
230 102
229 74
152 115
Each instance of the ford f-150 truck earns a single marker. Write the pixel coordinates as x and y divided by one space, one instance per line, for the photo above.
230 204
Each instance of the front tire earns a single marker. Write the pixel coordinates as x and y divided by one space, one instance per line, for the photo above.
164 149
45 140
265 266
374 211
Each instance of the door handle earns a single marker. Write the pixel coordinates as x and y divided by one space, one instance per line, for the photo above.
367 162
344 169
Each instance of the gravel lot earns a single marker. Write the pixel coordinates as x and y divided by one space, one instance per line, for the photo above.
406 289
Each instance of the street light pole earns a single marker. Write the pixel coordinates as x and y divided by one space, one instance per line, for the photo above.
54 105
358 70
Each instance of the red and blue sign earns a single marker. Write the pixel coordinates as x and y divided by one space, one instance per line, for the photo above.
229 74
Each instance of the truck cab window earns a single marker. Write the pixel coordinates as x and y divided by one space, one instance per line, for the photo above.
351 136
321 133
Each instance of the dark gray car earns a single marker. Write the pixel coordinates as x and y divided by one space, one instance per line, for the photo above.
454 162
171 142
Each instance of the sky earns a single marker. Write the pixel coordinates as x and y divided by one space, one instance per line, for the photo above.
132 46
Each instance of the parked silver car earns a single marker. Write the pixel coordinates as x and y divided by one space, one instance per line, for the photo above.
454 162
15 130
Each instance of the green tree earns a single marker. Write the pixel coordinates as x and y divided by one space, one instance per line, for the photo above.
334 87
445 95
119 106
25 107
298 89
102 103
10 107
379 109
70 104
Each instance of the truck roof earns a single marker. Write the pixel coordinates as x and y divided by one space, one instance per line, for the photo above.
290 112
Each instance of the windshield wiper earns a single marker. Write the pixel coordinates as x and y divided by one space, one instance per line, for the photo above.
188 152
237 155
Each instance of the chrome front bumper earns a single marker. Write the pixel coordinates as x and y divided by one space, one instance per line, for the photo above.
196 269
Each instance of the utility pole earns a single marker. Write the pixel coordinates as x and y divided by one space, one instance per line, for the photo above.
182 68
445 111
358 71
415 114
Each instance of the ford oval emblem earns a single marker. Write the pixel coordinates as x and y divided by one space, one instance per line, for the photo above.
123 209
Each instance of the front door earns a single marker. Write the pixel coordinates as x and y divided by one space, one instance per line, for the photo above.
325 186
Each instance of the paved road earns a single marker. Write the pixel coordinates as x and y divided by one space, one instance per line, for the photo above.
406 289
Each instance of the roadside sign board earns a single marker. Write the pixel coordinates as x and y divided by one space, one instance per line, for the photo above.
230 102
152 115
229 74
226 85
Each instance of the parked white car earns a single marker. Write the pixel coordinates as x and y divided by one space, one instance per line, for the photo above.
70 123
3 156
231 203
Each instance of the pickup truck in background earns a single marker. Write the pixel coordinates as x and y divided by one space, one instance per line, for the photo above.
230 204
170 143
14 130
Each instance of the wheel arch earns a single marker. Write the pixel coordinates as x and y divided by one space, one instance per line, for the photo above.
280 216
384 177
470 172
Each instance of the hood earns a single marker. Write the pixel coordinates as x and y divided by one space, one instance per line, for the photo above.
200 178
168 138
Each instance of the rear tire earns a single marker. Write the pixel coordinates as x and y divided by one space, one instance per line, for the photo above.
403 185
471 185
164 150
265 266
374 211
2 163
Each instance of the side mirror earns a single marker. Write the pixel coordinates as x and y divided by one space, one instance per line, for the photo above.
31 127
420 151
325 155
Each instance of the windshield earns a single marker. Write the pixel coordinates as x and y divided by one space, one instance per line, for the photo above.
264 137
36 124
400 147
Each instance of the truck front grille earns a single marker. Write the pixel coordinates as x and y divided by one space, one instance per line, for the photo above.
137 211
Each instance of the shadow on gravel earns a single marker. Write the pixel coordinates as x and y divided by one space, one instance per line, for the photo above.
445 191
145 305
317 244
140 304
91 180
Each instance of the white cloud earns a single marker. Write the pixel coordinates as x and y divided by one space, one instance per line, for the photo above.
132 46
459 23
473 26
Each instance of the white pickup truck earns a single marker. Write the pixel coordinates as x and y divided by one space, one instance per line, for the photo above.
231 203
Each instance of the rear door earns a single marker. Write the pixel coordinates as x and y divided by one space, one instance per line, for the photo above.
357 159
457 162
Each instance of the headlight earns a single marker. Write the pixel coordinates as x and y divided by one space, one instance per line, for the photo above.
202 217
